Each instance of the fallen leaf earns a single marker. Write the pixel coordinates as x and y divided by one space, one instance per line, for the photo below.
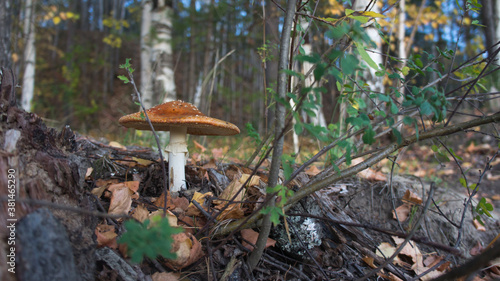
210 164
116 144
312 171
192 210
369 261
251 236
134 187
478 225
142 162
483 148
188 250
217 153
166 276
412 198
234 210
88 173
140 213
403 212
106 236
121 199
491 177
172 219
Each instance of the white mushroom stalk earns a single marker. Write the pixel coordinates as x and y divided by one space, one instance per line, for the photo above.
180 118
177 150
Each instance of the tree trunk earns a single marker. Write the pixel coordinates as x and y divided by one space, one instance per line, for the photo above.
207 59
374 83
271 64
193 74
5 30
157 74
28 88
146 73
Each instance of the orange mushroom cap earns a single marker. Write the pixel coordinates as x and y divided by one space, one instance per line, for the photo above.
176 114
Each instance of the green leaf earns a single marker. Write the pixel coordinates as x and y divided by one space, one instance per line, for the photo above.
454 154
348 64
275 214
348 12
398 136
426 108
394 108
123 78
365 56
298 128
369 136
405 70
407 120
372 14
463 182
361 19
150 241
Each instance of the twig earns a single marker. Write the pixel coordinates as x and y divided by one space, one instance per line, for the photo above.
65 207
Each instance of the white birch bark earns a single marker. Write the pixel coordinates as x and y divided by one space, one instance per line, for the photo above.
375 83
146 73
28 88
162 54
157 74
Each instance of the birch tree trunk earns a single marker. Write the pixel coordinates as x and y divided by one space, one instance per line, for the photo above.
28 88
157 74
374 83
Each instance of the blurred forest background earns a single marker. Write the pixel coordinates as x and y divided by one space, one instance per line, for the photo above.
220 55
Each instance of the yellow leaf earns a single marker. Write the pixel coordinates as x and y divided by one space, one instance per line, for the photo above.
372 14
70 15
56 20
405 70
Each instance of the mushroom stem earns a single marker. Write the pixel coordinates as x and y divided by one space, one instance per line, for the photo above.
177 149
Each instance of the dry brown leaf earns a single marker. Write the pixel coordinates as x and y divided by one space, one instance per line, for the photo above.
251 236
234 210
106 236
172 219
142 162
140 213
134 187
483 148
478 225
210 164
121 199
369 261
116 144
99 190
491 177
187 249
166 276
403 213
217 153
312 171
200 198
411 197
88 173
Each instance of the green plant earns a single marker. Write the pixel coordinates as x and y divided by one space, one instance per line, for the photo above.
149 239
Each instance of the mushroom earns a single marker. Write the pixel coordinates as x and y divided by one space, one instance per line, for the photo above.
180 118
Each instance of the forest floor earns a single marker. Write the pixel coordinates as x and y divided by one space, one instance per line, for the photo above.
322 247
342 232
